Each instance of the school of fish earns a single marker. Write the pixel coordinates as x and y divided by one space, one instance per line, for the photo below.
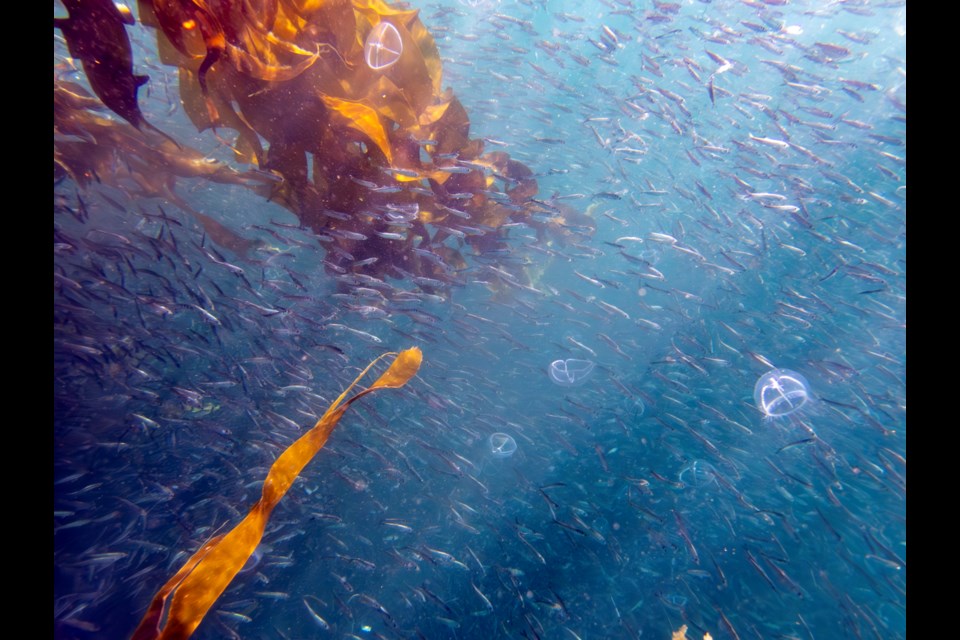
670 199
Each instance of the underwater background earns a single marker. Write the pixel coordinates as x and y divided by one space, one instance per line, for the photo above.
726 185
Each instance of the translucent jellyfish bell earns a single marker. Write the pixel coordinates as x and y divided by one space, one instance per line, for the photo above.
570 373
252 561
674 600
698 474
781 392
633 408
502 445
383 47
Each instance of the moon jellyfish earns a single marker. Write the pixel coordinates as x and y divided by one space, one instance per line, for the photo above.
781 392
698 474
252 561
570 373
673 600
383 46
633 408
502 445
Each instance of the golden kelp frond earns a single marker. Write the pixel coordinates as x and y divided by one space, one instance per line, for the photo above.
353 85
269 71
452 132
176 21
404 367
374 10
198 584
333 22
411 72
89 148
362 118
434 112
384 96
681 634
140 152
431 55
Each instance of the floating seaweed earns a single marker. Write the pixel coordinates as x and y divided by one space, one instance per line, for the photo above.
201 580
328 131
681 634
96 36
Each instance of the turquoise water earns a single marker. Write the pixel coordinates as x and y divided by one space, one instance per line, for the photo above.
743 165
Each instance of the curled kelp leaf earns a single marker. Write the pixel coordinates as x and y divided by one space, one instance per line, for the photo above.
198 584
257 68
364 119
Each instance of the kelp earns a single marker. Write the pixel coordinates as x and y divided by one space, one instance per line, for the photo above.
285 85
201 580
92 149
362 118
96 36
681 634
293 73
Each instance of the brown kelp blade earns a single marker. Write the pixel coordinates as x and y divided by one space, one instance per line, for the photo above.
198 584
96 36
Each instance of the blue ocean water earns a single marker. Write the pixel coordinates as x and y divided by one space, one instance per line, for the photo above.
733 185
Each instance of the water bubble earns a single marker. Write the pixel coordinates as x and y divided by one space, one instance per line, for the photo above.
781 392
502 445
698 474
383 46
570 373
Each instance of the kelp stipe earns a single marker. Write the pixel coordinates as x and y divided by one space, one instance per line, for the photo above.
201 580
